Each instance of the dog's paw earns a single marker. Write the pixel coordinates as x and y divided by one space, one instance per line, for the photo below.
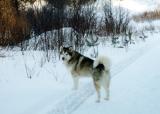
97 101
107 99
74 89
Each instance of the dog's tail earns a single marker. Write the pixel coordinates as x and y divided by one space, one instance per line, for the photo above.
102 60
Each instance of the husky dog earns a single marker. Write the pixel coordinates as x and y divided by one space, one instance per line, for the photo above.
80 65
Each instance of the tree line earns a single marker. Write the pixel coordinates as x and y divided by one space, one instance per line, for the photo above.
18 24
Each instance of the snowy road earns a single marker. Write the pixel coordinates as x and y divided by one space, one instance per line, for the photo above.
135 90
44 95
73 101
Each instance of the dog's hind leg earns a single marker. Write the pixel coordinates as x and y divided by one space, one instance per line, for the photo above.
107 92
97 87
106 85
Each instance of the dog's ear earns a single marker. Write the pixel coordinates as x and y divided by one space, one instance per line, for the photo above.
61 49
71 48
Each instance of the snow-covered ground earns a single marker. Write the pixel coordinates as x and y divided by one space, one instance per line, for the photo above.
49 89
133 91
137 5
134 6
134 83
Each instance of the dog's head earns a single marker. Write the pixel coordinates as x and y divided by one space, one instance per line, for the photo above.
66 53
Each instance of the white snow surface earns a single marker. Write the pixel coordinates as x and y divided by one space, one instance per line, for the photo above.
134 82
133 91
134 6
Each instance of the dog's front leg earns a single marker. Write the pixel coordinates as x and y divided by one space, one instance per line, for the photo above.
75 82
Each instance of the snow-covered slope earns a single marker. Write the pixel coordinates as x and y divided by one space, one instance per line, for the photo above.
134 87
133 91
134 6
49 89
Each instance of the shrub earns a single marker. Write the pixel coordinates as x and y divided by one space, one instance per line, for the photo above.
116 20
147 16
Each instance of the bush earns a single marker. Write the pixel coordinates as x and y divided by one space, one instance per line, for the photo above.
116 20
147 16
13 25
83 19
45 19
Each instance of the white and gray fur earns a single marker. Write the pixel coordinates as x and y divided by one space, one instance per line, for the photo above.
80 65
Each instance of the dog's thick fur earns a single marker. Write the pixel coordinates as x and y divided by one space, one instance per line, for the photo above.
80 65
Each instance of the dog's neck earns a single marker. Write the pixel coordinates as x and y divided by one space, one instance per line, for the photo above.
74 57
